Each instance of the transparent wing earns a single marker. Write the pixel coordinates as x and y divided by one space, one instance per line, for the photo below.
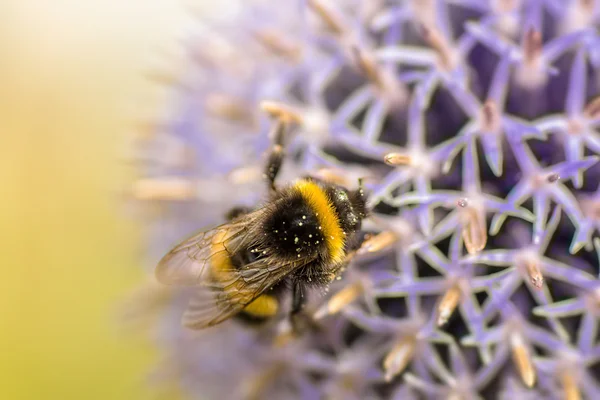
223 298
186 264
210 260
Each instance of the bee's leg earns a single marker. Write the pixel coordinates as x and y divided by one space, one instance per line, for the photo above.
299 320
298 299
276 154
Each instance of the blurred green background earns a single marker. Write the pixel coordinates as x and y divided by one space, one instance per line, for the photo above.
71 84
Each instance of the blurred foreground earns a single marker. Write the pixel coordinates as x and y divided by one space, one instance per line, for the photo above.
70 78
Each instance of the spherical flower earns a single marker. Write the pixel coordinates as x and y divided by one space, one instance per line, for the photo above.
475 125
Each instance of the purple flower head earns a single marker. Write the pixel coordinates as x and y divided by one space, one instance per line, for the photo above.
476 128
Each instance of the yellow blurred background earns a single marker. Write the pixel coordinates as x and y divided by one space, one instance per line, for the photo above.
71 83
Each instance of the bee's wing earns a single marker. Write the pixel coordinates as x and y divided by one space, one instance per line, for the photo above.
214 303
187 263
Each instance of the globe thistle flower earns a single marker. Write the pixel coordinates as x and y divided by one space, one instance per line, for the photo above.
475 125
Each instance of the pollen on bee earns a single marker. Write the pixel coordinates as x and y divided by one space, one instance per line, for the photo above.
168 188
448 304
474 232
378 242
398 358
340 300
522 359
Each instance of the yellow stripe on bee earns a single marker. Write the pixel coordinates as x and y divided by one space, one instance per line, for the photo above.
223 271
263 306
328 219
220 262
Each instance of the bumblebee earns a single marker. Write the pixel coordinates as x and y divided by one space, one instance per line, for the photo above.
300 237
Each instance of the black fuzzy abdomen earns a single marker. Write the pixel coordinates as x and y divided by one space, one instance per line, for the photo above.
292 230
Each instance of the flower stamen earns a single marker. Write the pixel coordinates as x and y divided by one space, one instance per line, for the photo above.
281 112
569 385
504 6
278 45
367 66
436 41
529 262
396 159
254 388
522 359
333 176
553 177
448 304
398 358
340 300
490 117
378 242
532 46
531 74
245 175
332 21
222 105
535 274
592 110
474 232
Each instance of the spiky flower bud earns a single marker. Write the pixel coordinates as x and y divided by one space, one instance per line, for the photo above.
475 125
